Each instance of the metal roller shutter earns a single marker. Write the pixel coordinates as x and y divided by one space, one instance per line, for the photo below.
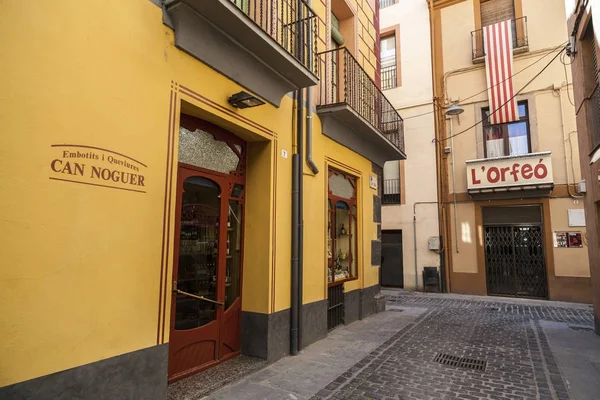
493 11
512 215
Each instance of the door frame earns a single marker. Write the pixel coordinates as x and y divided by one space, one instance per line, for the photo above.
226 182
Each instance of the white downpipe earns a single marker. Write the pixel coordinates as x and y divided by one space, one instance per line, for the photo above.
454 185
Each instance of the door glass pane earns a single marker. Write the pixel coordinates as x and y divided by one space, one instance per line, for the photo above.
200 149
354 252
340 186
198 253
234 253
342 243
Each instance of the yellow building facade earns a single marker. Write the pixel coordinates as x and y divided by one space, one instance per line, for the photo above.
522 234
131 169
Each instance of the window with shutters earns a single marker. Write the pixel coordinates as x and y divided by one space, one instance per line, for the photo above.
591 82
493 11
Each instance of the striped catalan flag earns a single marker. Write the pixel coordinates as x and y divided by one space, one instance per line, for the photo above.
498 46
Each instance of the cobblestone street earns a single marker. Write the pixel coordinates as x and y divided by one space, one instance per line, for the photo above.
507 337
498 349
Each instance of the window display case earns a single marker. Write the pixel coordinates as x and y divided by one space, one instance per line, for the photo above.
341 232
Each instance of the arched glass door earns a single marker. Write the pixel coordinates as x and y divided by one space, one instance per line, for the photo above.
207 265
197 273
198 253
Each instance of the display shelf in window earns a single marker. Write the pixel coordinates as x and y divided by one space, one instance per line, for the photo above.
341 231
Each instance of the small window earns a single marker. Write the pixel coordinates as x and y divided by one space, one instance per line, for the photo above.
391 183
342 228
510 139
388 62
386 3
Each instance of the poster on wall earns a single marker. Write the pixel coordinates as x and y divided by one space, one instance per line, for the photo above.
560 239
572 240
575 240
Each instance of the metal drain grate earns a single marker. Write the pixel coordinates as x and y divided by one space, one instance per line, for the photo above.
460 362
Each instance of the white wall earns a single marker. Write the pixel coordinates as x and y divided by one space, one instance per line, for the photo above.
412 98
415 51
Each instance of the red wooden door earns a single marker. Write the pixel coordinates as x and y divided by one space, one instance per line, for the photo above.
206 300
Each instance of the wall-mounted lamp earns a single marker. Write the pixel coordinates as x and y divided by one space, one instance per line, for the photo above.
454 109
245 100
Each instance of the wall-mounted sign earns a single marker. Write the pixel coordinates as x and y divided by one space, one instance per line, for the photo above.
373 182
525 170
577 217
95 166
568 239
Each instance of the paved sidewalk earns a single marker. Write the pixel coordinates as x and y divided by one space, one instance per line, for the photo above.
523 349
316 366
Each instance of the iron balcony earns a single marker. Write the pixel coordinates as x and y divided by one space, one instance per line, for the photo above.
520 39
355 112
267 46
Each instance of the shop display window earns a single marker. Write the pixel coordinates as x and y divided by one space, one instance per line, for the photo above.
342 229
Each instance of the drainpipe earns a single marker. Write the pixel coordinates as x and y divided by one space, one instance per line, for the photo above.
300 150
295 254
309 100
296 296
415 239
297 229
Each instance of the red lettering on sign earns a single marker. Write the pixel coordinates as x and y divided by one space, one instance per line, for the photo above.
527 171
474 178
540 171
504 171
496 172
515 172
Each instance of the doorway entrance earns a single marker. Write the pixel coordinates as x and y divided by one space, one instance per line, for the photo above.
514 252
207 266
392 259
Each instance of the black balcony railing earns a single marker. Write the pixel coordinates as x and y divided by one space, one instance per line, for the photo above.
519 37
388 77
391 191
343 80
292 23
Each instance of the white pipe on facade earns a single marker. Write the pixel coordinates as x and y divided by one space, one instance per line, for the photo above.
448 74
415 239
562 121
453 184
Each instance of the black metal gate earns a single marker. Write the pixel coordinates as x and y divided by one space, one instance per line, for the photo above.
514 259
335 309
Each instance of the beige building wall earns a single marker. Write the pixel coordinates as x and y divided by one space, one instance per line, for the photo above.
552 128
413 99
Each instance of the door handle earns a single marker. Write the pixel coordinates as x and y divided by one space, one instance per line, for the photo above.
197 297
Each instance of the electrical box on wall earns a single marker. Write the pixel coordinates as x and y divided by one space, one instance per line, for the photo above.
581 188
434 243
